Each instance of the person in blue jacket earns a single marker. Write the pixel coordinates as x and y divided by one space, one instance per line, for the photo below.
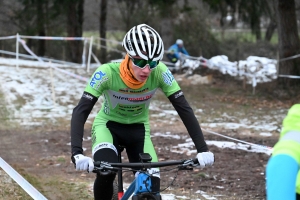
174 51
282 171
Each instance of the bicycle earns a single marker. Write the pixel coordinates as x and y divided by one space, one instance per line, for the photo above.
140 187
189 65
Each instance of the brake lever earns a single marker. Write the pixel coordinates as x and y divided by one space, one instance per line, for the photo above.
189 162
185 168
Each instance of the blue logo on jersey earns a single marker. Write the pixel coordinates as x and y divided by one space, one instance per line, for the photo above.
97 77
168 77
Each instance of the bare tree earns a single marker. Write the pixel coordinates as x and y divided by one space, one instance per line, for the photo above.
289 44
41 26
273 21
102 20
75 11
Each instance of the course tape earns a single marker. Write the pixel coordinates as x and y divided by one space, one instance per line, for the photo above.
71 74
28 50
118 42
289 58
53 38
34 193
289 76
8 37
251 144
61 70
230 138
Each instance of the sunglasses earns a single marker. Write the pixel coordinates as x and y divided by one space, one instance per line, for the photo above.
141 63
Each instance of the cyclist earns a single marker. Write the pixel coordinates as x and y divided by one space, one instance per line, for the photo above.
173 53
128 87
282 171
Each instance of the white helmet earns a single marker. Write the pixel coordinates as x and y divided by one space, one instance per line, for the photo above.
179 42
145 42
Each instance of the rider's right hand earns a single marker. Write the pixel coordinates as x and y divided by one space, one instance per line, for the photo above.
83 163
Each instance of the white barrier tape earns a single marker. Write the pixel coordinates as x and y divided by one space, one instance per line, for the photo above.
289 76
251 144
29 51
71 74
289 58
53 38
115 41
34 193
44 59
84 38
7 37
61 70
96 59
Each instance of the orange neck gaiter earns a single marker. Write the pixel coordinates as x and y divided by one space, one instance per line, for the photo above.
127 75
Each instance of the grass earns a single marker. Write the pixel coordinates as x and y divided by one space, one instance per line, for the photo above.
67 190
113 35
9 189
243 35
4 113
52 188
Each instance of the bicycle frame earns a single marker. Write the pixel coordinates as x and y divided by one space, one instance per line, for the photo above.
136 187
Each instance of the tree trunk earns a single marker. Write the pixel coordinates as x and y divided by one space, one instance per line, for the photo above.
255 15
74 28
289 44
223 11
102 20
273 21
41 28
270 30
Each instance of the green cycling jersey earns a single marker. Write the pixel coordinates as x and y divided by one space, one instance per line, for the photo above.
123 104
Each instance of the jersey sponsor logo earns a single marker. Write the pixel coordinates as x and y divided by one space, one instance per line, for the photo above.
130 108
88 96
136 114
122 114
104 145
100 82
128 99
178 94
98 79
106 107
129 91
134 99
168 77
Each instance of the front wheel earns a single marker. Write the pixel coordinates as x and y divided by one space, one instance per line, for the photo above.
115 194
146 197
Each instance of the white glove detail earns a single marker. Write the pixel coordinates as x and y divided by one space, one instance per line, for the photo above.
205 159
84 163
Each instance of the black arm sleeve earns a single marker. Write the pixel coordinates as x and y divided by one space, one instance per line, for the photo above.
79 117
189 119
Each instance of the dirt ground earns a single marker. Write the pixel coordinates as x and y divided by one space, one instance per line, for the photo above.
236 174
44 153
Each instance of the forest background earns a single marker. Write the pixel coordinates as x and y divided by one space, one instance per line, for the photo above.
235 28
